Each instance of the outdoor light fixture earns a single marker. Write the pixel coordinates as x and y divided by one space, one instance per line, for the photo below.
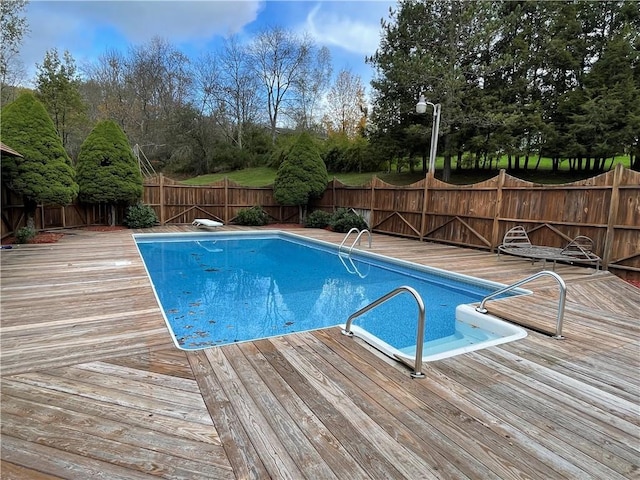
421 107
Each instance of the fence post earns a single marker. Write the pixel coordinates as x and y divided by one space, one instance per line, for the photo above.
162 212
374 180
42 224
226 199
614 203
333 193
423 222
497 212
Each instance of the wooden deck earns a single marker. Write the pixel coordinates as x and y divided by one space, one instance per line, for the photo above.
92 386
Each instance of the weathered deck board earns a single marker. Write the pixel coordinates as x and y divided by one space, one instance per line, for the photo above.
242 455
403 417
447 401
92 386
328 447
307 386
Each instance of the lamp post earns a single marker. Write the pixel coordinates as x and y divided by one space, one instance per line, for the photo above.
421 107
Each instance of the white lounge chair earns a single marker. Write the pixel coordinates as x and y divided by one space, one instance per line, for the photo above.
205 222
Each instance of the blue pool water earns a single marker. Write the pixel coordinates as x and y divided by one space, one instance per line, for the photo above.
219 288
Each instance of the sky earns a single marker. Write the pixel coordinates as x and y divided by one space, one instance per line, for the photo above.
88 28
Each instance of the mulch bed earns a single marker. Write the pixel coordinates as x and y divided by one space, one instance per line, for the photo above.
284 226
41 237
53 237
635 283
103 228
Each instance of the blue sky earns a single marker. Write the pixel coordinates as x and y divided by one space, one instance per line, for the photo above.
87 28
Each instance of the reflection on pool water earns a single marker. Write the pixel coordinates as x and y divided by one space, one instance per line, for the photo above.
220 288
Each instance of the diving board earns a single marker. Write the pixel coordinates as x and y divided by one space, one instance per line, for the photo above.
205 222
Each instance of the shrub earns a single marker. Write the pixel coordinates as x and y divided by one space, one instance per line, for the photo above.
140 216
254 216
301 176
108 172
24 234
318 219
344 220
43 173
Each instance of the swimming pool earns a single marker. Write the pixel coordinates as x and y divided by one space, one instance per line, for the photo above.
220 288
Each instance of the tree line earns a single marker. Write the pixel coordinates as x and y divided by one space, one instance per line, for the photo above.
106 171
224 109
521 79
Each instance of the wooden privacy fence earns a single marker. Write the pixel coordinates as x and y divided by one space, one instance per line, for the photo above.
178 203
605 208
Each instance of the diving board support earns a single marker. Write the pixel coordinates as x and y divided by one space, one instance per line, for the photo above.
417 370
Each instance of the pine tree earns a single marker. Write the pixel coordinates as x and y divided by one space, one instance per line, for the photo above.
427 48
44 175
107 169
301 176
58 88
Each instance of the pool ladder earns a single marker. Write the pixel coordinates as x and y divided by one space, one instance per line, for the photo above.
353 269
561 302
356 241
417 370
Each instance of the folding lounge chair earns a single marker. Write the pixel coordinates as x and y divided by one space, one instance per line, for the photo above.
579 250
515 238
205 222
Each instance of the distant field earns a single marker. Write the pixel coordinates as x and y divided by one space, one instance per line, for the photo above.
249 177
264 176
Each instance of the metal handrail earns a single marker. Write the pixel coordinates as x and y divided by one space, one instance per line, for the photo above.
357 240
421 321
563 296
354 229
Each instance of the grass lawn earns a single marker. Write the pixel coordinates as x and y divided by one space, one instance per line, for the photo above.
264 176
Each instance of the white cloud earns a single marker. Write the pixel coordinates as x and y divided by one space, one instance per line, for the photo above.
179 20
87 28
355 29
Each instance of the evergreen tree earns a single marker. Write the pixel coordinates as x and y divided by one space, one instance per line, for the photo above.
44 174
302 175
558 79
511 78
107 169
429 48
58 88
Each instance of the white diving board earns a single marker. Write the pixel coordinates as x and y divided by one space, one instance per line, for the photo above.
205 222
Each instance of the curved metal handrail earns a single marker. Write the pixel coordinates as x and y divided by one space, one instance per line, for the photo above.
354 229
563 295
357 240
421 321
